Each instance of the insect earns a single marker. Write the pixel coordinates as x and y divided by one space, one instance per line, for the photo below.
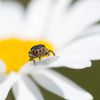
39 51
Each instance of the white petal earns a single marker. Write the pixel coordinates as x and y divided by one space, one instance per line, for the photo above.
37 16
80 52
2 67
2 78
87 47
81 15
61 8
71 61
47 61
32 87
26 68
59 12
94 29
24 89
6 85
60 85
43 63
10 19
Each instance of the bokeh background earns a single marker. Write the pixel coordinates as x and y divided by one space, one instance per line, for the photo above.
88 78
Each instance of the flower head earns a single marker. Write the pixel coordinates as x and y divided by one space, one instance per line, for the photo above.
58 27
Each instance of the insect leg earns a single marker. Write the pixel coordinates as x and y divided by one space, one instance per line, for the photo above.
48 53
34 62
52 52
31 58
39 58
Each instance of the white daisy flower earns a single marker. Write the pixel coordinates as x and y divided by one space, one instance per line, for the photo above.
63 29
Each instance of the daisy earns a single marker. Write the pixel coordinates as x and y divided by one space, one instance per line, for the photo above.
62 28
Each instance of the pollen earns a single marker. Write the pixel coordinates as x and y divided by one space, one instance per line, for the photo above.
14 52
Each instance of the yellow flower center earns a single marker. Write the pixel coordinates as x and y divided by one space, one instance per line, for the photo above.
14 52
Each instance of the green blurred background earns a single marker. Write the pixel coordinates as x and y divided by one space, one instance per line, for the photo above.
88 78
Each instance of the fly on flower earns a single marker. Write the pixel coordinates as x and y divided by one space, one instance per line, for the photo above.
39 51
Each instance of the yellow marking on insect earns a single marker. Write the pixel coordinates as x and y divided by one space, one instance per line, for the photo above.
14 52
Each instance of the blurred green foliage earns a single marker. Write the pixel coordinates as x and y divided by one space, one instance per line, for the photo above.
24 2
10 96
